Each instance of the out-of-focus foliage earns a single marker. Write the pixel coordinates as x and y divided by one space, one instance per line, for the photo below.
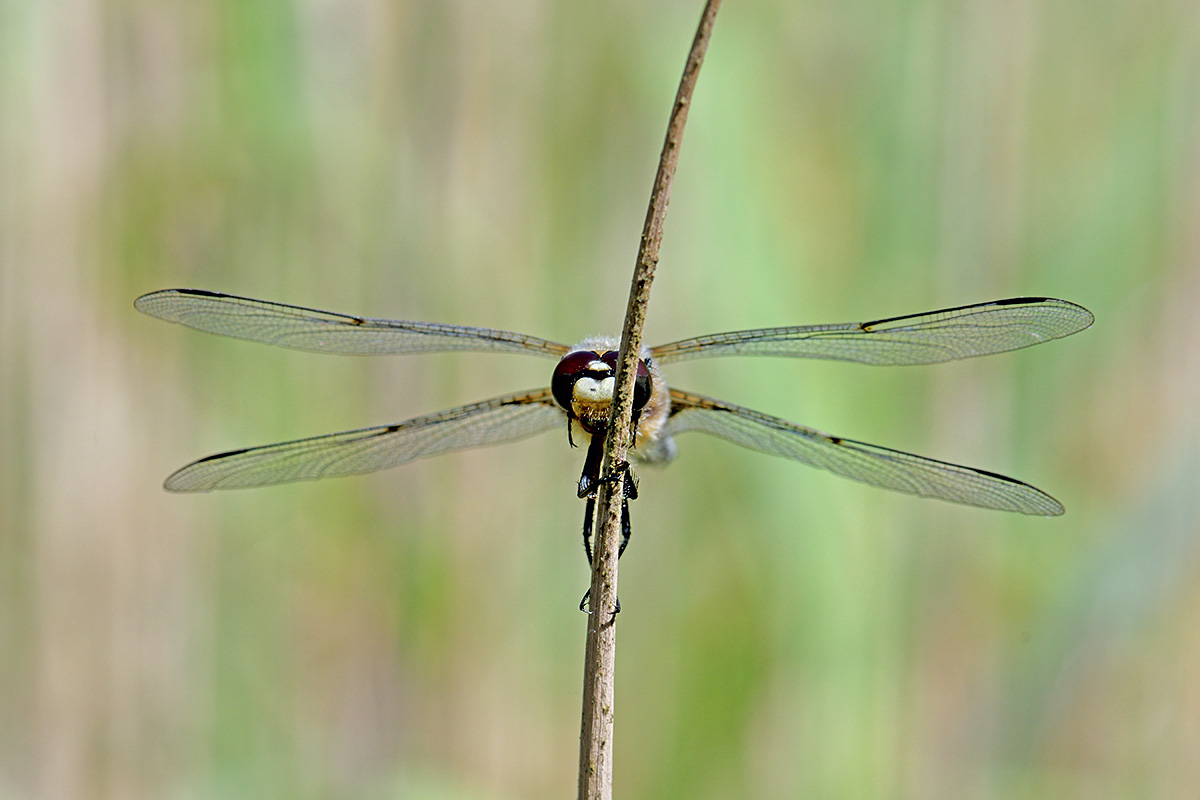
414 634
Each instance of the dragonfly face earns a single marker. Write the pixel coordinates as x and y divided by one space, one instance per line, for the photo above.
583 383
581 389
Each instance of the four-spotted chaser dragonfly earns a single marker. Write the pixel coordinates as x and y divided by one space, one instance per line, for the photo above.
581 388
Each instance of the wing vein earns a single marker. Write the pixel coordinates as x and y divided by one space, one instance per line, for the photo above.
500 419
930 338
860 461
319 331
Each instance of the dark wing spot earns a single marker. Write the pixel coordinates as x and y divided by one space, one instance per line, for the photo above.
216 456
1008 301
999 477
1016 301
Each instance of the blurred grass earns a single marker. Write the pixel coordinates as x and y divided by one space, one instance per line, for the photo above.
413 634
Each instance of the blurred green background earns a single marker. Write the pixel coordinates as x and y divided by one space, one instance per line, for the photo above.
414 634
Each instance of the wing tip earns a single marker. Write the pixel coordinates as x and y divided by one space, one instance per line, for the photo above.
148 302
143 302
1085 317
1027 500
1047 506
175 484
186 480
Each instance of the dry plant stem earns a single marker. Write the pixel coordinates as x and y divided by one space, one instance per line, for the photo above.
596 736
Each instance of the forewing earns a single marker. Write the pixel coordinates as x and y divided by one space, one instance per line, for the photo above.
878 466
500 419
326 332
945 335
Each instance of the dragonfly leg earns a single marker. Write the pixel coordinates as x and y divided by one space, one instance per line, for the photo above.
631 487
588 515
587 595
622 470
591 467
626 532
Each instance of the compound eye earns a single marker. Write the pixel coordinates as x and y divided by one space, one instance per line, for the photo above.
571 368
643 386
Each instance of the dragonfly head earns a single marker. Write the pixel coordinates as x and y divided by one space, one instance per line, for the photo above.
584 381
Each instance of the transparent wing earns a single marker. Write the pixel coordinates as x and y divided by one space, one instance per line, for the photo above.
878 466
326 332
500 419
946 335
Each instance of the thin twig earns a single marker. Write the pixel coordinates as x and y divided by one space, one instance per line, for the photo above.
595 746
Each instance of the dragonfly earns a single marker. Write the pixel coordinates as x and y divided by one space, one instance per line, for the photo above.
581 388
